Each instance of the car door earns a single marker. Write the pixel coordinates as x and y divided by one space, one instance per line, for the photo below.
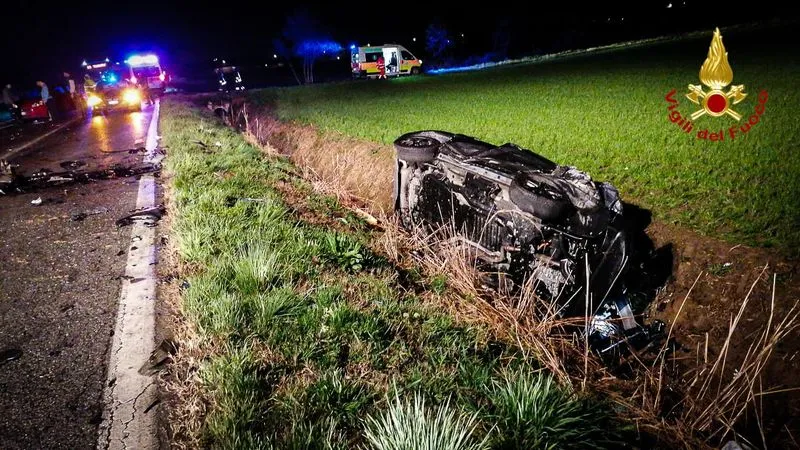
407 61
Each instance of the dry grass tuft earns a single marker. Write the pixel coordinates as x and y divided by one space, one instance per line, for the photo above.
351 169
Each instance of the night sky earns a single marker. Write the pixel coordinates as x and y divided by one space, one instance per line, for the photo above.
40 40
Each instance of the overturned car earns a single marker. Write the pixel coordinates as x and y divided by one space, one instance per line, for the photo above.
542 224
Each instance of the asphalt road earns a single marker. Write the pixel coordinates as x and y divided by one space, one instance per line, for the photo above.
60 283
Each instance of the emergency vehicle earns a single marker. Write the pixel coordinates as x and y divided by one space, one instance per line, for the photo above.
397 60
145 71
105 72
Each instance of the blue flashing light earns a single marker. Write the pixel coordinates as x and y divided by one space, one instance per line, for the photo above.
352 46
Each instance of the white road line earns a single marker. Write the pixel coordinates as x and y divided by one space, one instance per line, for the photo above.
128 423
38 139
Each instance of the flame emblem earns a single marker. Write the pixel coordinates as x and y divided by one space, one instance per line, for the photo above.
716 73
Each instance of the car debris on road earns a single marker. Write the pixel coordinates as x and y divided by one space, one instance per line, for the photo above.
150 216
79 216
529 218
11 182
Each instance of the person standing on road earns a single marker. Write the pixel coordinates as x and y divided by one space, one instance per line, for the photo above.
69 83
8 96
10 99
381 63
46 98
77 100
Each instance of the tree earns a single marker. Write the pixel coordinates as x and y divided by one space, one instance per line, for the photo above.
311 50
436 40
302 38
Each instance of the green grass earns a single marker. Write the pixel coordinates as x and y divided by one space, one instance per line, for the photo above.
302 333
606 113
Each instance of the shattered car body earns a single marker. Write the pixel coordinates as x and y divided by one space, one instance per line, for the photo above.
528 217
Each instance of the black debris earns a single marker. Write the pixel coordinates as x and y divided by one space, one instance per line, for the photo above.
149 215
72 164
9 355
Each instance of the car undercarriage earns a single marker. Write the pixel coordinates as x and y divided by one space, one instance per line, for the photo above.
545 226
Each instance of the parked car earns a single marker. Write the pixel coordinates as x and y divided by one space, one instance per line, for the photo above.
32 107
528 218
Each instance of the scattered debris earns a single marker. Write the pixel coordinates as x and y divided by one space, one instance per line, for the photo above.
9 355
77 217
150 216
152 405
37 202
46 178
6 172
72 164
159 357
367 217
230 201
200 143
720 269
218 144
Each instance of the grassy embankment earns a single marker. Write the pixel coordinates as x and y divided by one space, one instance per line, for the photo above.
606 113
297 335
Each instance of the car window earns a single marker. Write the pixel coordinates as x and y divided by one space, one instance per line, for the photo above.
407 55
141 72
373 57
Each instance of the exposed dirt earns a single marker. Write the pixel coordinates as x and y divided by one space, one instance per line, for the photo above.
727 272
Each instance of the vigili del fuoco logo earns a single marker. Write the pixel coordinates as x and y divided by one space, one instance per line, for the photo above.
717 102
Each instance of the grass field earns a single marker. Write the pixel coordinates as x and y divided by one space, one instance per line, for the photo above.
606 113
298 336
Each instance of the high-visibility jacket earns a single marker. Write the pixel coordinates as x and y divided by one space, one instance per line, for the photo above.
89 84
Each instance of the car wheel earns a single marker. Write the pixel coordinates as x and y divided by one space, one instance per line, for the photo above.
415 71
542 207
413 148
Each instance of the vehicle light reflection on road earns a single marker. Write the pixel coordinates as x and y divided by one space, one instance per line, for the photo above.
99 131
137 122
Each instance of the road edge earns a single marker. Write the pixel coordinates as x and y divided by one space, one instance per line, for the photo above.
129 394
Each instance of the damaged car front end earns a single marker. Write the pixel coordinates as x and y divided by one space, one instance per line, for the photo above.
542 224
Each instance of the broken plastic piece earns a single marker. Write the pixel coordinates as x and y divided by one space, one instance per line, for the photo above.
150 215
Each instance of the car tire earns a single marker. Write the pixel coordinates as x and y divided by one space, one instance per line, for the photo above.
415 71
542 207
413 148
